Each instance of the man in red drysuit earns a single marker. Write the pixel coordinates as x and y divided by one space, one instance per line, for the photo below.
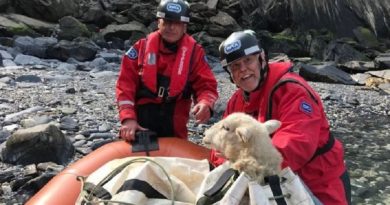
161 75
273 91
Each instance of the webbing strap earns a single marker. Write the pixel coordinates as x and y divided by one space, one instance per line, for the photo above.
141 186
322 150
220 183
331 140
278 196
276 86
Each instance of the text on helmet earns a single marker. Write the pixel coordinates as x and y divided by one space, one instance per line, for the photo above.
231 47
172 7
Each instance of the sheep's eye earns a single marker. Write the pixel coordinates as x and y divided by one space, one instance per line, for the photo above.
225 128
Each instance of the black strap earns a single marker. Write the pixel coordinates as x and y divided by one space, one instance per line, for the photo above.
331 140
278 196
220 183
145 141
276 86
322 150
141 186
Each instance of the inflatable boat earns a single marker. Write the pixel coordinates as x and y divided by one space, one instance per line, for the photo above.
64 188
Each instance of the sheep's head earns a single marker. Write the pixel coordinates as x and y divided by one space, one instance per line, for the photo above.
235 132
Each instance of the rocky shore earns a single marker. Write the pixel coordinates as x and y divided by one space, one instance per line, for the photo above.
59 69
82 103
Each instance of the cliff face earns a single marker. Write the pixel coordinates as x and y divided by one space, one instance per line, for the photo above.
338 16
375 13
49 10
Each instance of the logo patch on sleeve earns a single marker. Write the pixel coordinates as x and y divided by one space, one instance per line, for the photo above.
132 53
306 107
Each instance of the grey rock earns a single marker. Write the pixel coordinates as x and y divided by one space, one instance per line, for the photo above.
109 57
35 120
81 49
14 116
71 28
6 80
42 27
67 67
30 170
4 135
42 143
5 55
382 74
51 11
49 166
98 63
325 73
106 135
383 61
79 143
68 123
29 79
8 63
133 31
27 60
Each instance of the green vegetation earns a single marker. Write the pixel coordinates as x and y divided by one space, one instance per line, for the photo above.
20 29
283 36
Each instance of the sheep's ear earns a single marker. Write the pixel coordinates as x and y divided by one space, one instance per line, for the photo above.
272 125
243 133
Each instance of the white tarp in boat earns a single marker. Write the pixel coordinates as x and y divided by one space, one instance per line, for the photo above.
182 181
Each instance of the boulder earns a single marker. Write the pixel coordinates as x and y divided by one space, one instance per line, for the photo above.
340 17
49 10
42 143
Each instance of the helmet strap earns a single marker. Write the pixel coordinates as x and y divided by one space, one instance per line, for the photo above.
230 74
263 69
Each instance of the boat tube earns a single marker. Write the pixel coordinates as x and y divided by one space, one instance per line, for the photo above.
64 188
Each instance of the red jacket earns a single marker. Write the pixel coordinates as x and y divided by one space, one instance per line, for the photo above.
304 129
187 65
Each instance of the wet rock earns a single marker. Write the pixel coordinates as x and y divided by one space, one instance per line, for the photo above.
81 49
15 116
4 135
71 28
41 143
29 79
325 73
50 167
68 123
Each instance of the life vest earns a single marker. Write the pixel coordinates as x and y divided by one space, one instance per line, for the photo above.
154 85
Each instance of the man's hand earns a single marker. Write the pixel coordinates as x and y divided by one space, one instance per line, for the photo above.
201 112
128 129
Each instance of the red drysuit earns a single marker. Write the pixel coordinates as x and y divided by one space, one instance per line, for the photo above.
162 83
304 129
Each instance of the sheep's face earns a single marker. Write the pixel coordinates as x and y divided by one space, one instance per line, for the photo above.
236 132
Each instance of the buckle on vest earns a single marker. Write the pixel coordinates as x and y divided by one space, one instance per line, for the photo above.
161 91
